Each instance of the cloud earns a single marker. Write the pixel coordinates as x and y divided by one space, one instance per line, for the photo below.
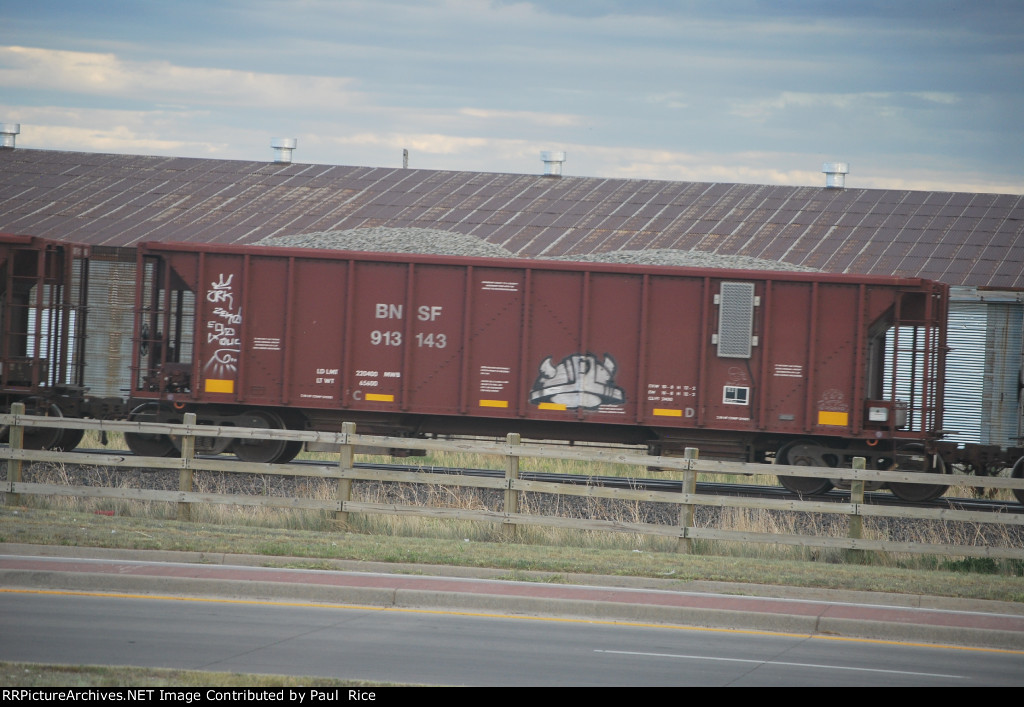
766 108
107 75
648 89
433 144
519 116
118 131
947 99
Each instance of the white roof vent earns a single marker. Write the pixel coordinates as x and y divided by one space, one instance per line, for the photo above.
283 147
835 174
552 163
7 133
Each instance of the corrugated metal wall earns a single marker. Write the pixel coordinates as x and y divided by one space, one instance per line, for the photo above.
108 348
984 367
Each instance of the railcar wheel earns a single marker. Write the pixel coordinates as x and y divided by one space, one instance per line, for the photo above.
148 445
68 440
912 457
265 451
42 437
291 451
1018 473
805 453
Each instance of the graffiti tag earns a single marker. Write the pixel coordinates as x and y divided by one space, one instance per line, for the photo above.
223 329
578 381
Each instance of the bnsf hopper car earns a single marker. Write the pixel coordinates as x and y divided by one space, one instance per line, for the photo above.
806 369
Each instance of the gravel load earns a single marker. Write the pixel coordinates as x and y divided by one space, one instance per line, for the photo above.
393 240
437 242
684 258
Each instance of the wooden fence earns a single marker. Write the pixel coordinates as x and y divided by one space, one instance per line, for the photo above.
512 451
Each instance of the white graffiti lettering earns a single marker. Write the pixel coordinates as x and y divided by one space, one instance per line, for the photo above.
223 331
224 335
231 317
221 291
223 363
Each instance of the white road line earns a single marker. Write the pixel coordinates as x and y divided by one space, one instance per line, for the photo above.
774 662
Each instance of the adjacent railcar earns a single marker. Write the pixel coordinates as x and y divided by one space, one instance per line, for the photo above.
41 292
809 369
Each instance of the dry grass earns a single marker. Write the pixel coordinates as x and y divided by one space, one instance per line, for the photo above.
398 526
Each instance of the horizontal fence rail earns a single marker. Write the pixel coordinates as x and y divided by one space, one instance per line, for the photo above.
512 451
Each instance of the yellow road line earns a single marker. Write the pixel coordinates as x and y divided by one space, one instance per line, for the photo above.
447 612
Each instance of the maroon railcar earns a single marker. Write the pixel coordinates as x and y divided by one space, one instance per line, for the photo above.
808 368
41 359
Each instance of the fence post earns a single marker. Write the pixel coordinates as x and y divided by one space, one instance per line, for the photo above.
188 454
510 529
856 531
346 457
16 441
685 544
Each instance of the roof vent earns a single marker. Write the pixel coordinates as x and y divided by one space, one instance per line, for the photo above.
835 174
7 133
552 163
283 147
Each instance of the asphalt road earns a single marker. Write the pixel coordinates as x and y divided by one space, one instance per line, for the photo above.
229 614
454 648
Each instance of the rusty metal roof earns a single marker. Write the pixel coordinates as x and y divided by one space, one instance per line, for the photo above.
123 200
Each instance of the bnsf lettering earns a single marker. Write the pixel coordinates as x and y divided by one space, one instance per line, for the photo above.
428 313
388 311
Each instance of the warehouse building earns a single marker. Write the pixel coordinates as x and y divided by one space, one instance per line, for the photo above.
973 242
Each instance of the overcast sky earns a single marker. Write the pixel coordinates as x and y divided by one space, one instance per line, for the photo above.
915 94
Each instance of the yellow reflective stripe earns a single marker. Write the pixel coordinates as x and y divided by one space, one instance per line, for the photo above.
217 385
833 419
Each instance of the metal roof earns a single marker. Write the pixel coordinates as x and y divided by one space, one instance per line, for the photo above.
122 200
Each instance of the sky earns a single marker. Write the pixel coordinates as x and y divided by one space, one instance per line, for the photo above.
913 94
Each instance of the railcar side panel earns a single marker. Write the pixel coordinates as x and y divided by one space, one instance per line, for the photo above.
268 295
786 340
830 403
614 312
732 353
314 344
378 336
552 341
690 350
674 331
581 346
432 370
219 324
492 369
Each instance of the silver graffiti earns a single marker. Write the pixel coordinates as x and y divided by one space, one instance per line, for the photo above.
578 381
